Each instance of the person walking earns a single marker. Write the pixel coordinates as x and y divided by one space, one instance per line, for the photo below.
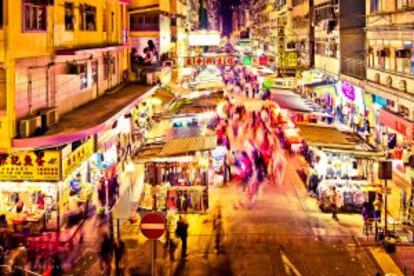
334 203
218 231
182 233
169 246
105 254
57 269
119 250
377 208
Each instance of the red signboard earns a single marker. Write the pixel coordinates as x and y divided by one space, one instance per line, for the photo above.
219 60
397 123
198 61
229 60
209 61
152 226
263 60
188 61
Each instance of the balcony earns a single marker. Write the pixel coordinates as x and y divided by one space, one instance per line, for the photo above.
353 67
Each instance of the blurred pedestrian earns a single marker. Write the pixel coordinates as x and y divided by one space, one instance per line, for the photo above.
182 233
218 231
334 203
105 254
57 269
170 246
377 208
119 253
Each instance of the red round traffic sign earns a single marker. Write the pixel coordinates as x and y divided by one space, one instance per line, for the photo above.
152 225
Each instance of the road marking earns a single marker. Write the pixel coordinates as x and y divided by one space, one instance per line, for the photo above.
152 226
289 267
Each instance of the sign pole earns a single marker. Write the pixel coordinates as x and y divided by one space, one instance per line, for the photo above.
386 209
153 258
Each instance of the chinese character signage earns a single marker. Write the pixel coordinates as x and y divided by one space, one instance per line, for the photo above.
210 60
188 61
77 157
291 59
32 166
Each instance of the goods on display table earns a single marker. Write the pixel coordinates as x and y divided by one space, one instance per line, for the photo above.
350 176
27 207
175 184
352 194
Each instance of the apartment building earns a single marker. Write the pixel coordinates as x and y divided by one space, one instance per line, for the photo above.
390 68
56 56
161 21
301 36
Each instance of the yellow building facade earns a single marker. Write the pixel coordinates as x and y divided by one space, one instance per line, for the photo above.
163 22
58 56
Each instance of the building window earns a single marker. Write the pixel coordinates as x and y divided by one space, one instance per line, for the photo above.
3 92
404 4
104 20
83 74
402 85
1 14
144 22
87 17
403 111
34 15
69 17
112 21
381 55
403 61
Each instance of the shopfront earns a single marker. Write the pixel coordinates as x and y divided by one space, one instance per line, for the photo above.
350 103
351 174
29 190
396 134
176 184
320 88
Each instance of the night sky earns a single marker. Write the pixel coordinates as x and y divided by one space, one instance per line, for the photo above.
225 7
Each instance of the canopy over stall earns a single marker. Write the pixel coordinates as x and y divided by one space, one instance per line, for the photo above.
287 99
332 139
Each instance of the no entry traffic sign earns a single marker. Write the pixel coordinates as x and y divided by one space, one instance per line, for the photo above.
152 225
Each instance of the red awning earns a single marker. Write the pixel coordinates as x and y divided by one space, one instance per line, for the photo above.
91 50
397 123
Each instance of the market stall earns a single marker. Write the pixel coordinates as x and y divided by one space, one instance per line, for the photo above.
177 177
28 207
341 160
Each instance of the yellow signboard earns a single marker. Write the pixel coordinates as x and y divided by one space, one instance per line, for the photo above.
291 59
31 166
77 157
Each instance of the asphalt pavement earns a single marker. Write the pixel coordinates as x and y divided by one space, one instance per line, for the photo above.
284 233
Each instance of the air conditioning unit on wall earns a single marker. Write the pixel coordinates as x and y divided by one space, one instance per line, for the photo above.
29 126
50 117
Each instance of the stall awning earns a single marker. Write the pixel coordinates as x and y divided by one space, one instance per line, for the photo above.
397 123
332 139
319 83
289 100
181 146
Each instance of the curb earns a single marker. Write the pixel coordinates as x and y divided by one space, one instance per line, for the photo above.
385 262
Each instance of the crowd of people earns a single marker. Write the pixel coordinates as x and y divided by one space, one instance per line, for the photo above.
251 135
